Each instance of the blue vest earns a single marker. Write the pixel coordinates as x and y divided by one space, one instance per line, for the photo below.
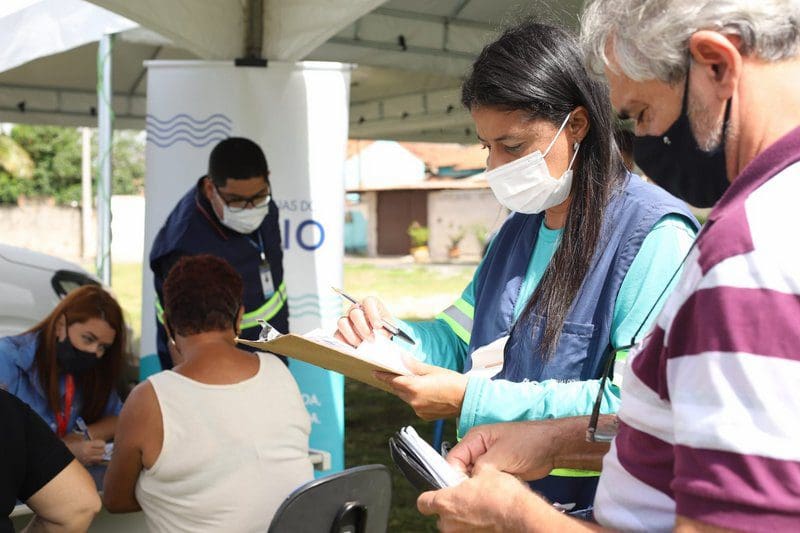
631 214
193 228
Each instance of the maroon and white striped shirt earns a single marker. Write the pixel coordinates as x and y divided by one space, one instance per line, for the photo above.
710 412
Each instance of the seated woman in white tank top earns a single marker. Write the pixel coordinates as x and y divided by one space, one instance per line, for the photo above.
218 442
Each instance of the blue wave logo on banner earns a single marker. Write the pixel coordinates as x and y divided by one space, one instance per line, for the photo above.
198 132
311 304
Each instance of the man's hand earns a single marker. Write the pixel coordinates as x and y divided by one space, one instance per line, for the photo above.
490 501
362 320
433 392
529 450
87 452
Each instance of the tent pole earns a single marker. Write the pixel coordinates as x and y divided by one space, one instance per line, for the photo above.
86 191
105 117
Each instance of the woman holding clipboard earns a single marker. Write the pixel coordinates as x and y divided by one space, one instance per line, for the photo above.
585 256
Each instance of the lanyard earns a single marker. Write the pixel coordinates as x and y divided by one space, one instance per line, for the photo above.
63 417
260 246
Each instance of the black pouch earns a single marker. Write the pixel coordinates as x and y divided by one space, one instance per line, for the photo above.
410 465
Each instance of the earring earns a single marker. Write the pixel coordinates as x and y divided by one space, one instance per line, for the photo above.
576 146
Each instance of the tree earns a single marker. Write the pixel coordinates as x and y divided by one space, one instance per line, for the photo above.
54 163
56 152
128 163
16 170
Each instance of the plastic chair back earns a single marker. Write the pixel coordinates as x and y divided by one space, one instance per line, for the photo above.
356 500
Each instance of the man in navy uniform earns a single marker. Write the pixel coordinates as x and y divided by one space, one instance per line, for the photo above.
229 213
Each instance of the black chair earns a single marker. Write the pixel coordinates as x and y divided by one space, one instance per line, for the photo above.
356 500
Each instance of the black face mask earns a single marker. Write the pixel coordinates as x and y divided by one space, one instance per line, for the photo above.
675 162
74 361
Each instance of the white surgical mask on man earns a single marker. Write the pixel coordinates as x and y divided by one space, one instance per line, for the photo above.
244 220
525 184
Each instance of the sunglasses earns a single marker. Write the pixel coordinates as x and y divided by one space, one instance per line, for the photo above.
606 432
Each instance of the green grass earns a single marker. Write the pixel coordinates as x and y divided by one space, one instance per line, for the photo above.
391 283
126 282
371 415
415 281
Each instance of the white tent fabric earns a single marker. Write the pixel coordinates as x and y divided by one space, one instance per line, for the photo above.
412 55
216 30
30 29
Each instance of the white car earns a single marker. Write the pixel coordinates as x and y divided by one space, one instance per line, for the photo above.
31 285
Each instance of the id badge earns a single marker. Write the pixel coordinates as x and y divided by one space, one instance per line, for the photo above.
265 275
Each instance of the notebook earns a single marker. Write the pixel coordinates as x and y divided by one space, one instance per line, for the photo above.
419 462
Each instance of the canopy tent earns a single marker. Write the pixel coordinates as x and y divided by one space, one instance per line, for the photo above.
412 54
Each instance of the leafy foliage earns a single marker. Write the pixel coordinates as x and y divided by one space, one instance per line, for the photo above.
50 157
56 152
418 233
14 159
11 188
127 166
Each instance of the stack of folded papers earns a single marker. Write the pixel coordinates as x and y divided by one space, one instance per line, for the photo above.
419 462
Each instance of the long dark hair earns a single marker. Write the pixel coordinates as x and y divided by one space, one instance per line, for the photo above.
539 69
78 306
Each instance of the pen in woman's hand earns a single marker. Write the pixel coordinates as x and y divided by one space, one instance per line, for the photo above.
83 428
388 326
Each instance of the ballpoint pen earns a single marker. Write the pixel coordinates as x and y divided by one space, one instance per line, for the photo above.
388 326
83 428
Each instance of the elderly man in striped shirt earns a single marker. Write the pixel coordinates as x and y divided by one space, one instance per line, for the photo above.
709 425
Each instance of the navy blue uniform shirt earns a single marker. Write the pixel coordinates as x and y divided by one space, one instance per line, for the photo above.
193 228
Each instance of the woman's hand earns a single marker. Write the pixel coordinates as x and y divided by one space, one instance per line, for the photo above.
361 320
88 452
432 392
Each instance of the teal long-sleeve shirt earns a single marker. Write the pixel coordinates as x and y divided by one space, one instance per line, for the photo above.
489 401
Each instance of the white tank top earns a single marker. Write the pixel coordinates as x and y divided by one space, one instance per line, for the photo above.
231 453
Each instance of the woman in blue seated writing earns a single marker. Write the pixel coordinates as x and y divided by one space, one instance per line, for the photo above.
572 274
66 369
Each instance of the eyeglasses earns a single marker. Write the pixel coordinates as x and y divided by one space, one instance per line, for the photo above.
606 432
240 204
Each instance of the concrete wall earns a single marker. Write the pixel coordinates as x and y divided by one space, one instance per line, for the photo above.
382 164
369 206
127 229
44 228
450 212
56 230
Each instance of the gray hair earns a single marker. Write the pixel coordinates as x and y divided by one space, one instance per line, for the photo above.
648 39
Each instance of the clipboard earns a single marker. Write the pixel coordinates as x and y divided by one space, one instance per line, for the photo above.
328 356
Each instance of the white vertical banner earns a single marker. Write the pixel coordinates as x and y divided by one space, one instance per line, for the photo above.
298 114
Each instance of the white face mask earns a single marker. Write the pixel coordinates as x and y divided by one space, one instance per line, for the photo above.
244 221
525 184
